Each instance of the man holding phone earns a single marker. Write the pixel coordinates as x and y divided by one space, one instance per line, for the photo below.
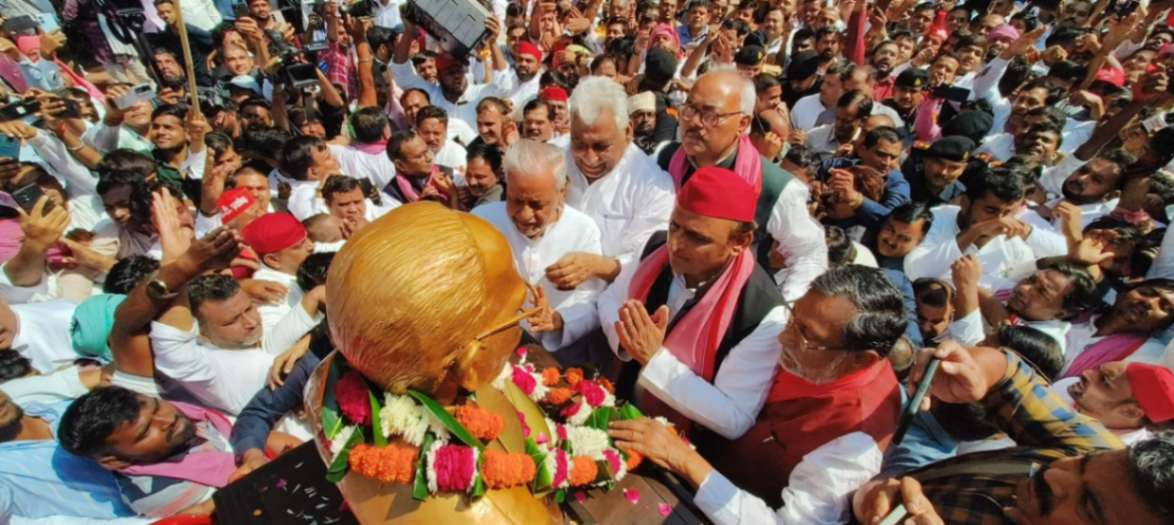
42 223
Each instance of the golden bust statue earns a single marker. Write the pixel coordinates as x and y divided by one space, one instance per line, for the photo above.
428 299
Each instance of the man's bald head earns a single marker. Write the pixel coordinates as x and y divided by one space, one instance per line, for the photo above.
717 112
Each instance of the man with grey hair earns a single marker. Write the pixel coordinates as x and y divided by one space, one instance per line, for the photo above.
610 179
541 229
714 124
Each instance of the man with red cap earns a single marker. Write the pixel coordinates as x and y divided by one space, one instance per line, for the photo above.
281 244
454 94
557 98
697 320
1128 398
524 83
212 341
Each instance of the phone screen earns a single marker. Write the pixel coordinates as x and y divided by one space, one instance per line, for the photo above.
9 148
27 197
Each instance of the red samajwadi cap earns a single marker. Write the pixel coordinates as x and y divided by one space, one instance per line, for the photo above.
1153 388
719 193
553 93
525 47
232 203
273 232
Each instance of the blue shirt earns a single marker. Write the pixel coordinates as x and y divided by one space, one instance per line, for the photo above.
39 478
870 212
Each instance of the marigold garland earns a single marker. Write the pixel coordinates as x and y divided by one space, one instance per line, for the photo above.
573 376
483 424
390 464
634 459
559 395
550 376
583 471
503 470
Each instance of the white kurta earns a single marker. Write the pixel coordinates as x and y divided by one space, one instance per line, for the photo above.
1004 260
818 492
377 167
573 232
271 314
224 379
730 404
629 204
43 334
464 109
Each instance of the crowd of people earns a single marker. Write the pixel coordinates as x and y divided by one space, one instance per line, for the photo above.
759 219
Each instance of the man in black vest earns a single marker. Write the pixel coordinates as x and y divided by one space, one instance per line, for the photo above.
714 122
698 319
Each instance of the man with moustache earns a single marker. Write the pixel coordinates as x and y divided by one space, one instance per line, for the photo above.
1067 468
612 181
715 121
828 417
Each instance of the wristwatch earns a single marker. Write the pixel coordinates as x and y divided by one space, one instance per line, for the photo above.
159 291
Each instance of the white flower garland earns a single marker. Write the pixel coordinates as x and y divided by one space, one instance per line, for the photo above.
402 415
340 440
587 441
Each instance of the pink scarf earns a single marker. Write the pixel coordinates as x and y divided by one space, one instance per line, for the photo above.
208 468
748 166
374 148
1110 348
409 193
694 340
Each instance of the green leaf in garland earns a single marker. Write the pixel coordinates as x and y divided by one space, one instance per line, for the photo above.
560 496
420 483
629 411
331 421
601 416
543 477
478 485
376 423
338 467
447 420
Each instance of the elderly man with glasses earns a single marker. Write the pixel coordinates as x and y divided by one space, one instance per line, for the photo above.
715 124
827 420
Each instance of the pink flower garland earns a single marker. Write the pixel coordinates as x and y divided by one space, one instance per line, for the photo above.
524 380
454 468
593 393
351 394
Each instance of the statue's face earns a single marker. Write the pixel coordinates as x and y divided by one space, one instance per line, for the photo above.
506 283
413 298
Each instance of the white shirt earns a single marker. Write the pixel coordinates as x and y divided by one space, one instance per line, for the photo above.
305 202
520 92
1004 260
807 112
377 167
271 314
387 13
48 389
464 109
818 491
629 204
801 241
223 379
730 404
452 155
573 232
43 334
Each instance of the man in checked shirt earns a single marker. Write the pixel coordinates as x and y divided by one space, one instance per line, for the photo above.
1068 469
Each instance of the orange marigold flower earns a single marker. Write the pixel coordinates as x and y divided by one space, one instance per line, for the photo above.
634 459
603 382
573 376
482 423
550 376
583 471
558 396
503 470
390 464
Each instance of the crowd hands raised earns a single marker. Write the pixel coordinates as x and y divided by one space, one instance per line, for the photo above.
761 219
